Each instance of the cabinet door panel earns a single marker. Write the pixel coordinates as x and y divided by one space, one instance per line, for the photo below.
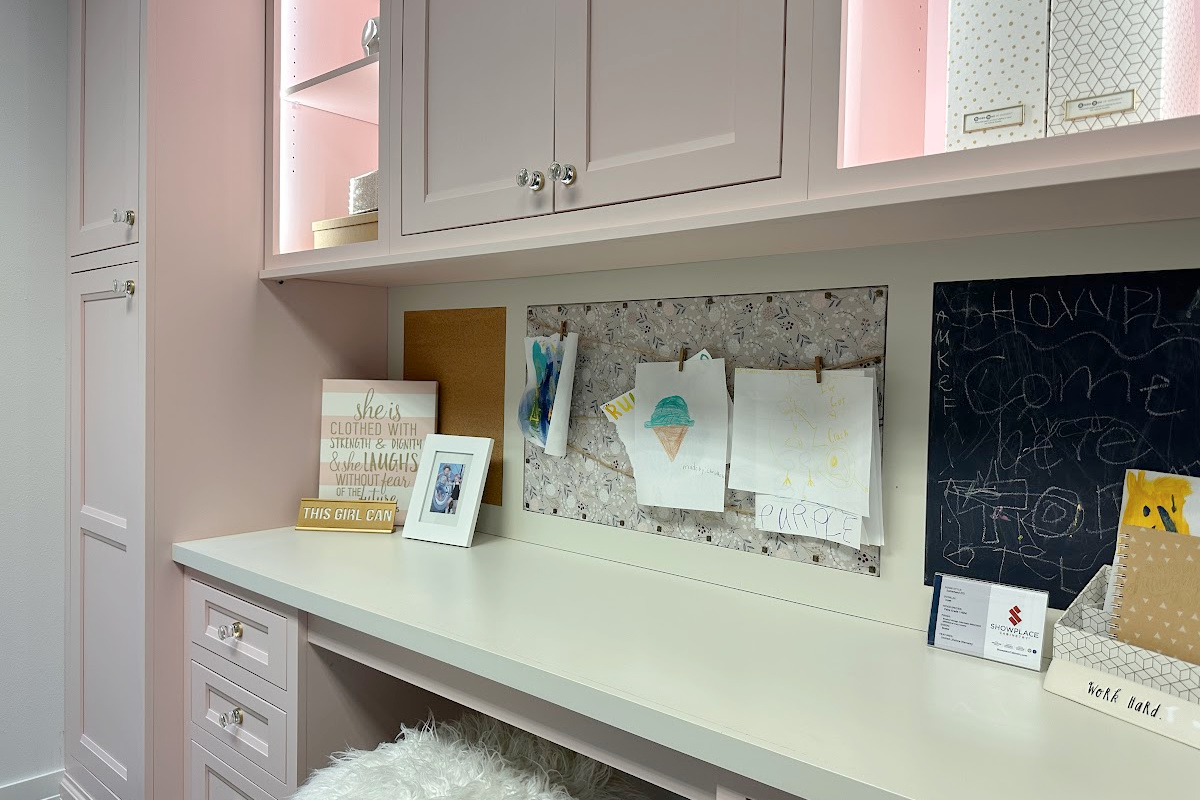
106 583
103 123
477 107
660 98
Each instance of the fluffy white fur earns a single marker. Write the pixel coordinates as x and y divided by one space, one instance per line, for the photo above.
476 758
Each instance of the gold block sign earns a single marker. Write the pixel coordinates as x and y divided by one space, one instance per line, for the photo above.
368 516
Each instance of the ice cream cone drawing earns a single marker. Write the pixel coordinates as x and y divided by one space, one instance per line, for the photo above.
670 423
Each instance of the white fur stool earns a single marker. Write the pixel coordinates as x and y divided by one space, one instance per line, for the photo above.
476 758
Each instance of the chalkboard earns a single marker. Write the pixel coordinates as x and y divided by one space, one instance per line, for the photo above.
1043 392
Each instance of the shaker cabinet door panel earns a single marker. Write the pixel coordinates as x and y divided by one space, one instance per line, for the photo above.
106 639
660 98
477 106
103 124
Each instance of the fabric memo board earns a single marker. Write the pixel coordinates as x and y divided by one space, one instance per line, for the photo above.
768 331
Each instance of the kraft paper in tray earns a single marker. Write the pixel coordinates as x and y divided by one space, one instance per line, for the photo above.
1081 636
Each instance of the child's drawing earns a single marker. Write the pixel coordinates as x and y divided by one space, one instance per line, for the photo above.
550 371
1157 501
683 464
670 423
797 438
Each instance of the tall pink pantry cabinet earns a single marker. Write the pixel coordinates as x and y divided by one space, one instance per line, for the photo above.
194 387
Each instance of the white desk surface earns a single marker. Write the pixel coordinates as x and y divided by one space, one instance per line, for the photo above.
822 705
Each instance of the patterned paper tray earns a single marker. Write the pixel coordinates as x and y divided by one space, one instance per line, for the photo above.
1081 636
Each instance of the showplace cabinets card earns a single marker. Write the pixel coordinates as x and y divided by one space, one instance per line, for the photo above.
1001 623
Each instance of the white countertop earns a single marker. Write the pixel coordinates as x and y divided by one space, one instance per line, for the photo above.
822 705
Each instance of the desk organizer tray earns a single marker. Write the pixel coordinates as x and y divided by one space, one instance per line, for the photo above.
1081 637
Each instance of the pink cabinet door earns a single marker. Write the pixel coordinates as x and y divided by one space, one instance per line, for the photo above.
103 123
477 107
105 689
659 98
213 779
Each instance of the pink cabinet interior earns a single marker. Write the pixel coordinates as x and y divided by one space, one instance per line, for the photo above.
328 113
900 82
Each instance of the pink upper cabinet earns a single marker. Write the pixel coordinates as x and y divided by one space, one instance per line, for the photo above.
318 36
104 124
327 122
921 77
661 98
918 92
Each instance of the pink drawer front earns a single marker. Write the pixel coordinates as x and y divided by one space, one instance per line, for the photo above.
248 635
258 732
213 779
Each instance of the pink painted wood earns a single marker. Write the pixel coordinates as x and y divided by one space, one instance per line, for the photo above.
106 729
103 123
937 49
471 122
318 36
1096 155
213 779
661 98
239 720
885 80
237 364
349 91
324 143
260 644
224 393
319 153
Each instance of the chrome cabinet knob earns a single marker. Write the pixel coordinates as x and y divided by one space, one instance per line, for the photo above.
563 173
233 631
127 217
234 717
534 181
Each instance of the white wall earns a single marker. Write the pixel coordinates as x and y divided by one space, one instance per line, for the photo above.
32 391
899 595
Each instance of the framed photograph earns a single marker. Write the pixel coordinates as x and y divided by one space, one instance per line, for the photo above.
445 501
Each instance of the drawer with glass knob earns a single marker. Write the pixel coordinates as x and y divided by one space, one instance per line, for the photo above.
246 634
240 720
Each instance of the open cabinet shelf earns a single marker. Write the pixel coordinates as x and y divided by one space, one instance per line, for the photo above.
351 91
329 118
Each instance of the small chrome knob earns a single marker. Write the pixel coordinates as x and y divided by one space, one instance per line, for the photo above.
563 173
127 217
233 631
234 717
534 181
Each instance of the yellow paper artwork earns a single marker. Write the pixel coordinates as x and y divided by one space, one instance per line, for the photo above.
1156 502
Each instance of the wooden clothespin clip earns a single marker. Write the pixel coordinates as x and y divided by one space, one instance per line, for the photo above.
818 362
682 356
562 330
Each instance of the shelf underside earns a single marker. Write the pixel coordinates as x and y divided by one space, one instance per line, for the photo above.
883 218
349 91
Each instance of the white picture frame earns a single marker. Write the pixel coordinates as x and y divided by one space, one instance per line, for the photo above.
444 506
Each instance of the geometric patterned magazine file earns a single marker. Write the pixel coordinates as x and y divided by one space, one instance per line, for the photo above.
1081 636
593 482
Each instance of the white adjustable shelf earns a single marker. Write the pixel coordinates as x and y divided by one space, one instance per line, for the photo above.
351 90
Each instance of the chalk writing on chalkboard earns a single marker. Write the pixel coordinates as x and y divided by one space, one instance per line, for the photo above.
1044 390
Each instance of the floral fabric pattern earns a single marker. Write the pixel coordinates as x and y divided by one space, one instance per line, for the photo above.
764 331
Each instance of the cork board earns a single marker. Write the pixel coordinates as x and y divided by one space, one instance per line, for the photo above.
470 380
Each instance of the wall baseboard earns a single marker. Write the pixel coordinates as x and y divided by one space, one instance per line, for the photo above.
41 787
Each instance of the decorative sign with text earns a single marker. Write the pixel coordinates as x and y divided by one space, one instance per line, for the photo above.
365 516
1128 700
371 436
